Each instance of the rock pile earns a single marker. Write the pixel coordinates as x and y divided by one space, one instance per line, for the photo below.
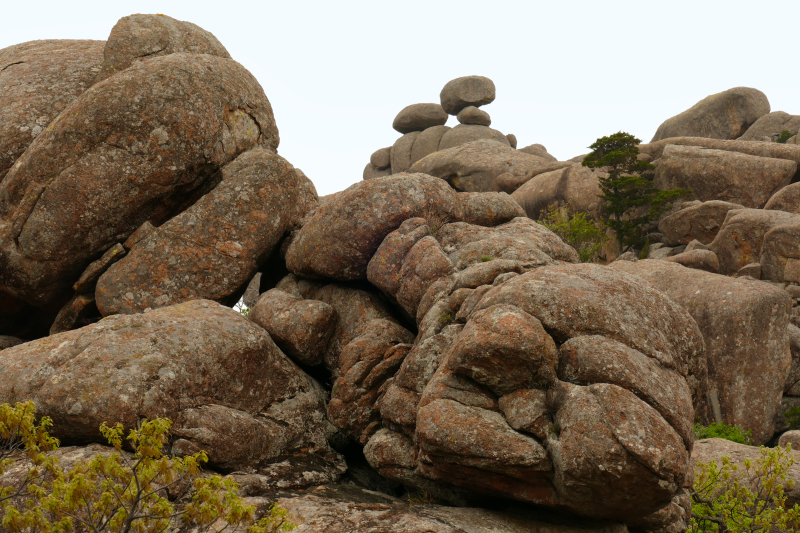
417 332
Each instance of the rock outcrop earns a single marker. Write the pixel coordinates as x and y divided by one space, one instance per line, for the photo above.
746 373
699 221
769 127
725 115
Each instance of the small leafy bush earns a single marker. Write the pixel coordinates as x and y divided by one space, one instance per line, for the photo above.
722 431
729 499
486 258
792 417
446 317
114 492
784 136
577 230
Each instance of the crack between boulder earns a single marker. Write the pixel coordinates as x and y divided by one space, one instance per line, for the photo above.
150 54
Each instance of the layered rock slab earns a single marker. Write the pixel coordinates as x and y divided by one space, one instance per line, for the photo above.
744 326
214 248
221 380
95 175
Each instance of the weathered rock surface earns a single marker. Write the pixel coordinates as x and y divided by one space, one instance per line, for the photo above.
95 175
301 328
418 117
214 248
707 450
6 341
467 91
489 208
474 403
791 437
341 237
427 142
787 151
746 371
140 37
786 199
346 509
401 152
791 387
371 172
780 254
217 376
39 79
698 259
539 151
381 158
740 239
701 222
719 175
476 166
473 115
768 126
575 186
466 133
725 115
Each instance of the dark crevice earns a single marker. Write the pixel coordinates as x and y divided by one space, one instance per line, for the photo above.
11 65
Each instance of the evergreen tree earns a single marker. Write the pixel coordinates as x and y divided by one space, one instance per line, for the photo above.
629 198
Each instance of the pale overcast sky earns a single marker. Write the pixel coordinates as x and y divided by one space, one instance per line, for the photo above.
566 73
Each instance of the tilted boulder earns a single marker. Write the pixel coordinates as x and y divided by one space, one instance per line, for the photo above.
700 222
719 175
473 115
741 237
780 252
39 79
214 248
341 237
476 166
418 117
698 259
574 186
725 115
489 208
140 37
746 371
95 175
538 150
767 127
786 199
467 91
526 393
221 380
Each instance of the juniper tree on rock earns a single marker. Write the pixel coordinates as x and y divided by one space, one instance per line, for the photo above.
629 198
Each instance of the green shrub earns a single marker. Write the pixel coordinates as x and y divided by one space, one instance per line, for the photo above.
575 229
729 499
446 317
112 493
792 417
722 431
486 258
628 196
784 136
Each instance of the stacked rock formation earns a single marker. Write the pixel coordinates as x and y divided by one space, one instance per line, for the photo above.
424 131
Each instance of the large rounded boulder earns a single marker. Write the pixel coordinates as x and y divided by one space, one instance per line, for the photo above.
140 146
571 386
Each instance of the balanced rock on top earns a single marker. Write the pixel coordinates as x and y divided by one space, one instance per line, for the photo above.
467 91
418 117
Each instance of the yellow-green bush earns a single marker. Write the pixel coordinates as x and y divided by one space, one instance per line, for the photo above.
118 492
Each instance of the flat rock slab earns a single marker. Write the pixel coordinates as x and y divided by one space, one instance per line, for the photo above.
39 79
220 378
725 115
139 146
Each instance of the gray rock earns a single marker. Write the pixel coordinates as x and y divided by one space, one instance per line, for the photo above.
725 115
720 175
767 127
372 172
401 152
574 185
473 115
698 221
512 140
786 199
750 270
467 91
464 133
7 342
539 151
427 142
418 117
253 291
382 158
